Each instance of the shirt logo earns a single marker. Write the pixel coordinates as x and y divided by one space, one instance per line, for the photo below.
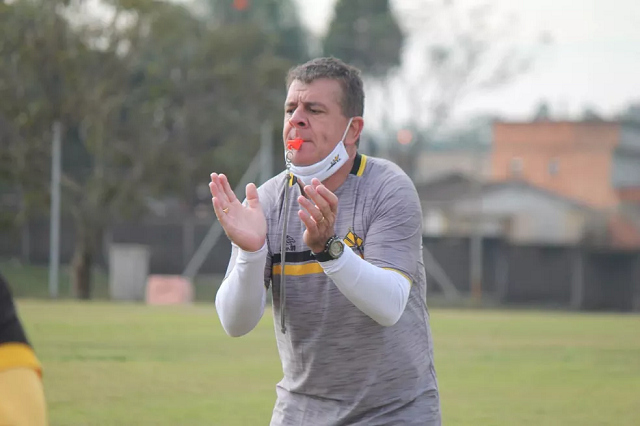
352 240
291 243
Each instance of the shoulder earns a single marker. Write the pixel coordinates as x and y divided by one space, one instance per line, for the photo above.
387 179
273 185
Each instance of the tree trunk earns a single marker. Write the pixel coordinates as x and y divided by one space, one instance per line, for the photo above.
87 241
81 271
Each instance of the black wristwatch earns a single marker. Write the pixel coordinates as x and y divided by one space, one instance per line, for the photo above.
332 250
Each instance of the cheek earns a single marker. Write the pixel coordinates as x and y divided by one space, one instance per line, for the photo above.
286 128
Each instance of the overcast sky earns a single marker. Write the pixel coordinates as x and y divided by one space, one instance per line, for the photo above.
594 59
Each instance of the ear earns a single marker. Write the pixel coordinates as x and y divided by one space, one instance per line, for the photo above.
355 130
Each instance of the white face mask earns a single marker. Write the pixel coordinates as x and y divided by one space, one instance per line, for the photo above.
326 167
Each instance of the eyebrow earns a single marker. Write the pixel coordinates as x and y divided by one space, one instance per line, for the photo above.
307 104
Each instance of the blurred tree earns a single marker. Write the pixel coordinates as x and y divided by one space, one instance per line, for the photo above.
365 34
591 114
631 113
25 118
543 112
81 75
277 19
461 51
151 99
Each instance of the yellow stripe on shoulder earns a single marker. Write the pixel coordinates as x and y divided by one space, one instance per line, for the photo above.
13 355
363 164
401 273
298 269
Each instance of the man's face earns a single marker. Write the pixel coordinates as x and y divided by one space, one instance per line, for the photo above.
313 113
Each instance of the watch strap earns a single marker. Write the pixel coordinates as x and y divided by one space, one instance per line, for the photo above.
325 255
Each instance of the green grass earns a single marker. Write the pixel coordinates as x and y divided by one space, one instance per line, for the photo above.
129 364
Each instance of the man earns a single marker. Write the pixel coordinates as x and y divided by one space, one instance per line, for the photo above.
355 340
22 401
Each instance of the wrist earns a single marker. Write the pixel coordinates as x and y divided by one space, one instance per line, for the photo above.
254 254
321 245
333 249
253 247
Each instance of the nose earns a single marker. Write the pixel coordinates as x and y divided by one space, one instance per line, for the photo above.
298 119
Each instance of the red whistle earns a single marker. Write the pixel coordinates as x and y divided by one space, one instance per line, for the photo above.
294 144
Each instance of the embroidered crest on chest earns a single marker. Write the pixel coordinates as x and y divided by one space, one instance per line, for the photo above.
355 242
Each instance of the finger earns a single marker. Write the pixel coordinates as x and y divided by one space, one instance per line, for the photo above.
252 195
217 192
311 209
324 195
217 207
308 221
227 188
212 184
213 189
330 197
321 203
216 188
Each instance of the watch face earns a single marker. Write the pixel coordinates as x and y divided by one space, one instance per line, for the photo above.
335 248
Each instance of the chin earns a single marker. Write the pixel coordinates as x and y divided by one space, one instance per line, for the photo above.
302 161
304 157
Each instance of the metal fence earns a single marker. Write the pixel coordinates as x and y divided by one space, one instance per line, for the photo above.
563 276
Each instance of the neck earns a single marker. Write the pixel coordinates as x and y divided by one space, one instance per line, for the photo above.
336 180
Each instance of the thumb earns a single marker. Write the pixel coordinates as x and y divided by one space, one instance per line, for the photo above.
252 195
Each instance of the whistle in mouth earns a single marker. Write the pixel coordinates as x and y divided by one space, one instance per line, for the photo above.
294 144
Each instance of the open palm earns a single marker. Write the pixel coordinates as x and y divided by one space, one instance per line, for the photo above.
245 225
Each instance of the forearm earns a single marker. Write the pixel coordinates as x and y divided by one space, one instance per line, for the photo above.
381 294
242 296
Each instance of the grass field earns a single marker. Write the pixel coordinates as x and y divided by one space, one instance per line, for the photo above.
128 364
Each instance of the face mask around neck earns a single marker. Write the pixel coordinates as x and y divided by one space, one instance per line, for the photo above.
326 167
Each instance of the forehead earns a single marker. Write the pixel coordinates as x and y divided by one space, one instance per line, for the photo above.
322 90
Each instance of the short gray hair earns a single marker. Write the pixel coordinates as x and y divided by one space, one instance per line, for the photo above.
352 101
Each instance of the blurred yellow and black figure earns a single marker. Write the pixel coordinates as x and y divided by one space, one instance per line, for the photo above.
22 401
